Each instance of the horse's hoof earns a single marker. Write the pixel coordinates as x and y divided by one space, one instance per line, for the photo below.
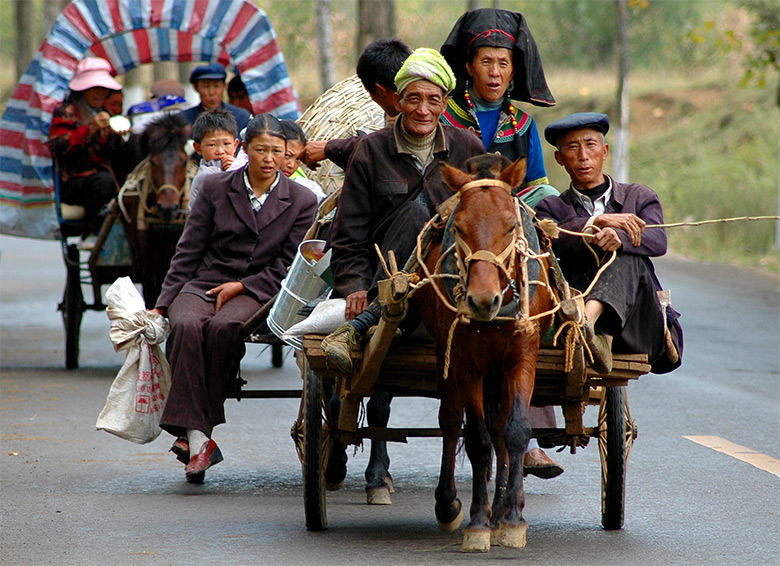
454 525
333 486
511 536
389 482
378 496
476 540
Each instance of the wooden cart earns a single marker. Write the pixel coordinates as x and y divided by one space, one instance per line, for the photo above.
408 368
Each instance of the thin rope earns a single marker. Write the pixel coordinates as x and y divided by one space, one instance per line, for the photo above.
715 221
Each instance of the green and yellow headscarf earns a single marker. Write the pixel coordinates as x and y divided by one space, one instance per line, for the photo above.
427 64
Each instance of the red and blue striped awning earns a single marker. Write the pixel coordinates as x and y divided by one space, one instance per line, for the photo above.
127 33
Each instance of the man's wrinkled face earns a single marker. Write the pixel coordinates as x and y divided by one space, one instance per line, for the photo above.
582 153
210 91
421 103
491 72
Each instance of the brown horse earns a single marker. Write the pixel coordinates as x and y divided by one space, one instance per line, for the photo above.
487 343
154 201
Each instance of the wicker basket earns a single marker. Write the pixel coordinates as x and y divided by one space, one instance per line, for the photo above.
339 113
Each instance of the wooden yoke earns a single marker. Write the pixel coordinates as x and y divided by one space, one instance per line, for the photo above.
393 294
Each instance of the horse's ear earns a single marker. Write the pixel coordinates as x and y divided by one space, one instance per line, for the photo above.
454 177
515 173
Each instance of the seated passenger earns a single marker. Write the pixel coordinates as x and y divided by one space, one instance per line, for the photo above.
88 154
114 102
215 137
392 187
622 311
239 240
376 68
209 82
238 95
296 141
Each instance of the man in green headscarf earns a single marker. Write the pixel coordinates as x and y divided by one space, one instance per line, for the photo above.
392 188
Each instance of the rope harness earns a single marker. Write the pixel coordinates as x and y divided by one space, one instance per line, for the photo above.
509 261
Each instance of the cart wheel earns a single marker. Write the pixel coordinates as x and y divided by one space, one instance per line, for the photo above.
277 355
616 437
72 308
313 454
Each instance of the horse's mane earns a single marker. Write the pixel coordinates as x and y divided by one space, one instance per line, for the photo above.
487 166
166 133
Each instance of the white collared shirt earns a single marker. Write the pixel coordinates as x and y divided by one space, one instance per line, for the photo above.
596 208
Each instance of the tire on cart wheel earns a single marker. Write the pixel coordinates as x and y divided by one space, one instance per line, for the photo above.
313 454
72 308
616 436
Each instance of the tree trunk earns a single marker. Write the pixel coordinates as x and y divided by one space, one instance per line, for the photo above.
26 34
322 10
376 20
620 158
51 10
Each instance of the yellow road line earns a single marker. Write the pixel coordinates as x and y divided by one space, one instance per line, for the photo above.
757 459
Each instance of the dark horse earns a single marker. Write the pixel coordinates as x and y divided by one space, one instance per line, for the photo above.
154 201
487 343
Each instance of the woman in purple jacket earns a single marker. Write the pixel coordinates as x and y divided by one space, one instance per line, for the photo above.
241 236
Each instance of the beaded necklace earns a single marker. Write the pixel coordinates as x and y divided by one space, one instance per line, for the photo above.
512 118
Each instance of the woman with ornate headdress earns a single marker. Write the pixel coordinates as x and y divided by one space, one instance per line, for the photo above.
496 61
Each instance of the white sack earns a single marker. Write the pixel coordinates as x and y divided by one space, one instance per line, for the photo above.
137 396
326 317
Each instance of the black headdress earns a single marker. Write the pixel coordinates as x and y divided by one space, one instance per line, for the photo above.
488 27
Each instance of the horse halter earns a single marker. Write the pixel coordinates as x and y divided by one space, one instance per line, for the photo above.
506 260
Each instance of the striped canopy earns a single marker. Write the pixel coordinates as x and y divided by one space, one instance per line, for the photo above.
127 33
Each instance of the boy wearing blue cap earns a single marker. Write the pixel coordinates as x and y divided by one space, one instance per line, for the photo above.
622 311
209 82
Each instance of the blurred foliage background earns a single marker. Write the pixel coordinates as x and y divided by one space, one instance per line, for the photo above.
705 94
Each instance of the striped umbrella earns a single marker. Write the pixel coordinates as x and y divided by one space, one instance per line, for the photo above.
127 33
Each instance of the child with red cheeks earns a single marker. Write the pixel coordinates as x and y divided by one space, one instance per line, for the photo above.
216 140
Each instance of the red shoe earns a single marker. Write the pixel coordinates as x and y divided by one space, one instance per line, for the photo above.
181 449
208 456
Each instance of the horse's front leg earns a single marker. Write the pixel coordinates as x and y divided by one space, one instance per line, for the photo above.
476 536
511 529
379 484
449 510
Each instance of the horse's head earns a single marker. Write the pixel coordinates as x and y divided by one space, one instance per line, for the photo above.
165 139
486 228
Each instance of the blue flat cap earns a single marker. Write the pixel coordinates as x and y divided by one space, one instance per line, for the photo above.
576 121
212 71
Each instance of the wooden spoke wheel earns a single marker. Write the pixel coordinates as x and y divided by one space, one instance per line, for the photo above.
314 452
617 432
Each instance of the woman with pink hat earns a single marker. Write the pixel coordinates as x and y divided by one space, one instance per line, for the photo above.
88 154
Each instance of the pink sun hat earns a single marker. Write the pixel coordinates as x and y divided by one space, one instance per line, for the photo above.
92 72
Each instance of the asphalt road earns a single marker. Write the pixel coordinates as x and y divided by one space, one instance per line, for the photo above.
74 495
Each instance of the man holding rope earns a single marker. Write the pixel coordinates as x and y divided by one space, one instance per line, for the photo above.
622 308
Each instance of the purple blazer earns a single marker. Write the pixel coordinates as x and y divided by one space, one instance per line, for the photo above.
568 213
224 241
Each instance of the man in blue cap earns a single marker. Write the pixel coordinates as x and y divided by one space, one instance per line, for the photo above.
209 82
623 313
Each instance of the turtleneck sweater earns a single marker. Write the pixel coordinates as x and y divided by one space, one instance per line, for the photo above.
421 148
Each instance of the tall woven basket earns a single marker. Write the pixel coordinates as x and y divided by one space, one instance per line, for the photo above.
339 113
